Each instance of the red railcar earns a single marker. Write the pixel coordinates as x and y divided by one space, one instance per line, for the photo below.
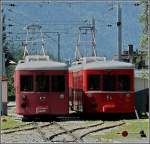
41 87
100 86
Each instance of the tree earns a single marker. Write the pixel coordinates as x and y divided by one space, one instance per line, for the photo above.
17 54
144 21
8 55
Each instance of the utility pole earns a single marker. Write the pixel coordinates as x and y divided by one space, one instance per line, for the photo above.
119 25
148 21
1 60
58 34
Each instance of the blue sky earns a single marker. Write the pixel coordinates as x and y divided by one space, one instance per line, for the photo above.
67 17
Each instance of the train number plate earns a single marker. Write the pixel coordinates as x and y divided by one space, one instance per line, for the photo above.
41 109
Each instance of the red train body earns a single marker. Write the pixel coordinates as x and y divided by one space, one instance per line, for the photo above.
100 86
94 85
41 87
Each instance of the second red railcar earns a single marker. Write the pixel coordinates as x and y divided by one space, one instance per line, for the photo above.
100 86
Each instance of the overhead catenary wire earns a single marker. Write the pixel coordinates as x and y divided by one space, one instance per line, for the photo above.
70 26
59 23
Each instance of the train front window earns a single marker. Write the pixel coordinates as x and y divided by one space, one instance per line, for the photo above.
124 82
42 83
26 83
58 83
93 82
109 83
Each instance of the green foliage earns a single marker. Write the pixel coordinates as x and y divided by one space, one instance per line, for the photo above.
6 44
144 21
16 55
10 71
144 41
7 122
144 74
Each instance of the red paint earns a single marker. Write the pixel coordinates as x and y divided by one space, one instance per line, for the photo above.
50 102
96 102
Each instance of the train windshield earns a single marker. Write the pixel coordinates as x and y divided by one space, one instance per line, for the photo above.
58 83
42 83
94 82
109 83
26 83
124 82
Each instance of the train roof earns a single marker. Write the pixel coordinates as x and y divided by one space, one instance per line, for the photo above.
100 64
40 63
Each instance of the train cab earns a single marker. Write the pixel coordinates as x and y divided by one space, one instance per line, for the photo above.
102 86
41 87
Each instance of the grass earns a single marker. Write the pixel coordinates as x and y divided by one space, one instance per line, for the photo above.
7 122
133 127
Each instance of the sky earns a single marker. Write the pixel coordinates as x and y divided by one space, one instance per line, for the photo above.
66 17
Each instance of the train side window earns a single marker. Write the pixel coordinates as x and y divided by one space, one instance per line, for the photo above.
42 83
58 83
26 83
109 83
124 82
94 82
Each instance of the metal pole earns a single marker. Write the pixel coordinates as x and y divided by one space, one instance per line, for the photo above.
1 55
93 35
119 25
58 46
148 20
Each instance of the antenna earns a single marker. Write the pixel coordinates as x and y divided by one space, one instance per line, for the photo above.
86 31
34 32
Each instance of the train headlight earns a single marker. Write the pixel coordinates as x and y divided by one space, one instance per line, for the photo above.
89 95
24 97
128 94
61 96
108 97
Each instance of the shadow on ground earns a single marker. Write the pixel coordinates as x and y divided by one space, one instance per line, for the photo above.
82 117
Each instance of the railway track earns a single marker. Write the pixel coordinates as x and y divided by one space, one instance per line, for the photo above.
65 131
42 134
101 129
62 133
25 127
80 130
70 132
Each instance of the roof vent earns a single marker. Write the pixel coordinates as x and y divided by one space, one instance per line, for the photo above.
36 58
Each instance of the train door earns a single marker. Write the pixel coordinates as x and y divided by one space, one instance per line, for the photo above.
93 98
71 90
59 94
80 92
42 93
75 101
